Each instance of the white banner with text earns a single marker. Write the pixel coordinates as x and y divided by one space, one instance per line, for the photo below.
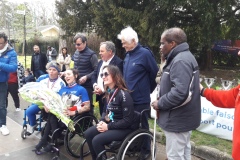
214 120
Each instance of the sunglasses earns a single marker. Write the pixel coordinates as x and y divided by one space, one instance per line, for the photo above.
105 74
78 44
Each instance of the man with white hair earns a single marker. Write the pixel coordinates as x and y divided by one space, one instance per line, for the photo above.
139 71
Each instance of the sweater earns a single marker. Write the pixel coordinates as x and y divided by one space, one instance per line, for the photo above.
228 99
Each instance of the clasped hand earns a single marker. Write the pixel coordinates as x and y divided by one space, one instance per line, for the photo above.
102 126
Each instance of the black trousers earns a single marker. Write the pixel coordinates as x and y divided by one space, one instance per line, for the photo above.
97 140
13 90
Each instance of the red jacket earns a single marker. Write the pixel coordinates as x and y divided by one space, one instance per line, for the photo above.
228 99
13 77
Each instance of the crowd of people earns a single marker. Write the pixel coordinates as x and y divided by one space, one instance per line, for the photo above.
122 88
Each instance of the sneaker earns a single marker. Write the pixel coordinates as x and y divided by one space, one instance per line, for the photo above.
18 109
4 130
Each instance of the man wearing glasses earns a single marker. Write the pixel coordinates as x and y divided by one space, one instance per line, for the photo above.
8 63
85 61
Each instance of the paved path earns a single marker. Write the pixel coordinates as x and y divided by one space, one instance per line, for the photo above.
13 147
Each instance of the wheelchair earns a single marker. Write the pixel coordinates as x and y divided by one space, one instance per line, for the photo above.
71 140
129 148
39 126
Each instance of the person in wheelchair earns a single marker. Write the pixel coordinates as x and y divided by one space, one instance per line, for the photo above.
118 118
53 123
52 81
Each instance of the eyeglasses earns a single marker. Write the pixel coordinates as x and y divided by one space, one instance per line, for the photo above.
105 74
78 44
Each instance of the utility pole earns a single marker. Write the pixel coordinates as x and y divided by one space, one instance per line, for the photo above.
24 35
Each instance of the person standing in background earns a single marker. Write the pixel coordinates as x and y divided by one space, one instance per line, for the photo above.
139 71
107 52
38 62
8 64
15 82
64 59
179 104
85 61
51 54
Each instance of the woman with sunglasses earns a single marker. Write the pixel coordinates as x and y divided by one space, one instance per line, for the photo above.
53 123
118 118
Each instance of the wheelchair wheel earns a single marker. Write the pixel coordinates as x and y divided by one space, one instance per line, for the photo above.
73 140
24 133
131 146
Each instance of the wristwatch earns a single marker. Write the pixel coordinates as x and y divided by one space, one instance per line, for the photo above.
76 112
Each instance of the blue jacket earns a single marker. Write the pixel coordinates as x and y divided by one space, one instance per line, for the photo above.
139 71
8 63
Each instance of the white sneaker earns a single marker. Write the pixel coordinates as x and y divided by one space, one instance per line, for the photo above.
4 130
18 109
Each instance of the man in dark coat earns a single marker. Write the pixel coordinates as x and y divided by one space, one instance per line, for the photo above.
107 52
38 62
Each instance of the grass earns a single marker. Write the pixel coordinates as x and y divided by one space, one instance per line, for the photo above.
28 61
198 137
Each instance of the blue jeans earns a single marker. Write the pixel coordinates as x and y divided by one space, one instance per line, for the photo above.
3 96
31 113
38 73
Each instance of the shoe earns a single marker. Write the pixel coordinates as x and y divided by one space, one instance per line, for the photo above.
32 128
40 145
18 109
4 130
144 156
48 148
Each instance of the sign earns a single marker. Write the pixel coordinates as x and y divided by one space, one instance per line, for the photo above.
20 12
214 120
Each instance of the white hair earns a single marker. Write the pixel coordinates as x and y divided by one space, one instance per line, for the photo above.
128 34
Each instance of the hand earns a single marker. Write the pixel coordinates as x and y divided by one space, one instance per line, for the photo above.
238 53
102 126
154 105
83 79
46 109
68 112
97 90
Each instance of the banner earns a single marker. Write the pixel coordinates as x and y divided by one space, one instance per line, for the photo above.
214 120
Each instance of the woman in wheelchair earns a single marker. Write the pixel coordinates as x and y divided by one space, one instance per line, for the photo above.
53 123
52 81
119 118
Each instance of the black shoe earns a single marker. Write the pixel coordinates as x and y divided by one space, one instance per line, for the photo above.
40 145
48 148
144 156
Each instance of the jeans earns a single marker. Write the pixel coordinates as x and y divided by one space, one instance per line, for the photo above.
3 96
38 73
31 113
